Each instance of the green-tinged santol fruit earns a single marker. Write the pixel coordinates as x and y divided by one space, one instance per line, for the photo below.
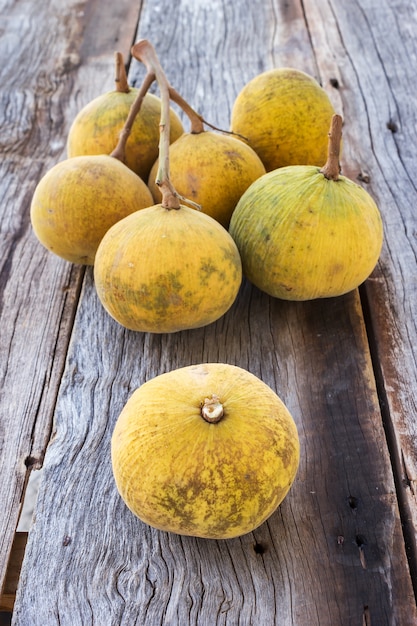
79 199
213 169
284 114
307 232
169 267
96 128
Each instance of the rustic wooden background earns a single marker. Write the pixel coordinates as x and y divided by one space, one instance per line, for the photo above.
342 547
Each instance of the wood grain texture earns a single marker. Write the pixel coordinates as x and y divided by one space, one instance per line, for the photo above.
377 90
41 48
222 46
334 546
334 551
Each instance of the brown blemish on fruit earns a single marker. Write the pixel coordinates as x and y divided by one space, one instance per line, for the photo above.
207 268
336 268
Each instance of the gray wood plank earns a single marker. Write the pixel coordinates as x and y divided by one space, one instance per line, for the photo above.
42 87
378 90
334 547
334 552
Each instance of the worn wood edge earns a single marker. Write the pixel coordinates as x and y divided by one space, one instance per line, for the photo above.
61 70
390 294
14 566
29 449
32 396
374 129
398 441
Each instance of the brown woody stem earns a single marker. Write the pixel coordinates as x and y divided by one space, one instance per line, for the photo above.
197 121
121 84
143 51
331 169
120 150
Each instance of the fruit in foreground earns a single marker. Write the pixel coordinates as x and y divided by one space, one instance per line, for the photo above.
165 269
206 450
79 199
305 232
285 114
97 126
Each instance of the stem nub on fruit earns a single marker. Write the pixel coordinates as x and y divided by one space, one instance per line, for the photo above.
212 410
121 84
331 169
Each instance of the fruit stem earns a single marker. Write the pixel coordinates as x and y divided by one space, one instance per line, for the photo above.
143 51
197 121
331 169
120 150
121 84
212 410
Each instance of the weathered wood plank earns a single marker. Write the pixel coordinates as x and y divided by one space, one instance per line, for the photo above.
222 46
334 551
334 547
41 47
380 130
381 137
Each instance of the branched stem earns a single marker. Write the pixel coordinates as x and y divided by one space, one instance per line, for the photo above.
331 169
143 51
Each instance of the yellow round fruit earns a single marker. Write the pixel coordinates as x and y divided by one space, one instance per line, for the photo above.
305 232
96 129
212 170
206 450
79 199
284 114
162 270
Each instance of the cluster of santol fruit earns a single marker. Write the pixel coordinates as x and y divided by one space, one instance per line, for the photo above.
171 221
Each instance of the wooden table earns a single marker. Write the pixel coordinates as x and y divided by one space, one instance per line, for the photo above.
341 549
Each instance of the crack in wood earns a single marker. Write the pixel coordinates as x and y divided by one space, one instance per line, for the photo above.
408 481
361 543
366 616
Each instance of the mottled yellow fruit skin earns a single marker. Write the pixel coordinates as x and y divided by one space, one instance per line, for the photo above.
79 199
181 474
96 129
164 270
212 170
285 115
302 236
